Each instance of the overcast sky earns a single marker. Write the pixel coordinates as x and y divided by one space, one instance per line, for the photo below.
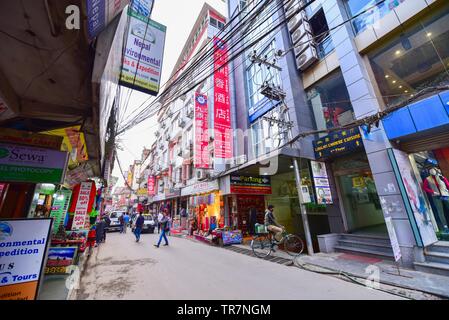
179 17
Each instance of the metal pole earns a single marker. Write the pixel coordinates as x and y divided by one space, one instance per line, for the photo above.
302 207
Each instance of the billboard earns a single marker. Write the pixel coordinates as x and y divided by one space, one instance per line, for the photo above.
23 249
151 185
143 54
222 104
201 132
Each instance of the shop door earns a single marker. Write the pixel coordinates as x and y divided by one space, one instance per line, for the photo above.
361 203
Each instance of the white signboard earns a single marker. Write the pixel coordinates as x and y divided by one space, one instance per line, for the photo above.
144 52
23 246
321 181
393 239
198 188
79 220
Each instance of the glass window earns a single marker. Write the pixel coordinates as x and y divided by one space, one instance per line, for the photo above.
213 22
379 9
320 30
414 60
330 102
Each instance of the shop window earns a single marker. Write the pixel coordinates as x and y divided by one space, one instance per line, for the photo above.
379 8
416 59
330 102
320 31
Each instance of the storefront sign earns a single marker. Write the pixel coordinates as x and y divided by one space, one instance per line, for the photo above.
321 182
45 141
101 12
151 185
201 132
250 185
222 104
60 259
393 239
199 188
60 207
33 165
144 52
82 206
172 193
23 246
142 192
338 143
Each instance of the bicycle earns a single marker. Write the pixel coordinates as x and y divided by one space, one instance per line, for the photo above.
263 244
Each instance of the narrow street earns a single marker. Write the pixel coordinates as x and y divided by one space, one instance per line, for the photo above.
123 269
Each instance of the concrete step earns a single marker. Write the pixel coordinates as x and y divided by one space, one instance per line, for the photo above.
437 257
365 244
433 267
441 247
366 238
369 252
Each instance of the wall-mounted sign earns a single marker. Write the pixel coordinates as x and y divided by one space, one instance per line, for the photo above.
201 132
144 52
338 143
59 208
60 259
33 165
151 185
250 185
199 188
222 102
45 141
321 182
101 12
83 202
23 249
393 239
261 108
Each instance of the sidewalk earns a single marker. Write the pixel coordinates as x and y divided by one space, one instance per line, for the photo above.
357 266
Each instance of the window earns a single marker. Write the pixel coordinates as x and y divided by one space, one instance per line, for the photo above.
213 22
320 31
414 60
330 102
368 18
221 25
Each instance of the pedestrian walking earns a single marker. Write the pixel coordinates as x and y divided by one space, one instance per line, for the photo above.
107 221
100 231
165 229
139 224
121 219
126 222
159 219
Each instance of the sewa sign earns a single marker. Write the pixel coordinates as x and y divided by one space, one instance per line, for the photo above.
33 165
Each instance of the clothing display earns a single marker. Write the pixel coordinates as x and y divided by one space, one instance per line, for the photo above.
436 187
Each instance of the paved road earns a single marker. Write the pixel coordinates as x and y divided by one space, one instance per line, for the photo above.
124 269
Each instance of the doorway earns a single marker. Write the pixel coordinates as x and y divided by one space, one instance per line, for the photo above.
360 201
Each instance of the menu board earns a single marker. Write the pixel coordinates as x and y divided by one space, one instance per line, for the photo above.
321 182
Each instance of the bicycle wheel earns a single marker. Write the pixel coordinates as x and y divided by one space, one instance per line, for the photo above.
261 246
293 245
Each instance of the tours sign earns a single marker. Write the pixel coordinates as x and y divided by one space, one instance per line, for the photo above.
23 249
143 54
32 165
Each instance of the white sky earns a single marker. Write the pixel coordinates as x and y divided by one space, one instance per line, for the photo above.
179 16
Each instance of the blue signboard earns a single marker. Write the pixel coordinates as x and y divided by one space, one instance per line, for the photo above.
143 7
337 143
96 16
261 108
232 237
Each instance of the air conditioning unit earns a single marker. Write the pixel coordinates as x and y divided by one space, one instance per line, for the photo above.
292 10
303 44
157 134
296 21
190 113
307 58
180 152
163 125
289 3
303 29
202 175
181 123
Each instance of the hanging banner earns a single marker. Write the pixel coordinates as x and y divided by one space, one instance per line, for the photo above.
222 103
33 165
201 132
151 185
144 52
143 7
82 205
60 208
321 182
23 249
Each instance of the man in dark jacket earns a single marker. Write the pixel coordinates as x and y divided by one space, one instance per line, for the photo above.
139 225
165 227
272 225
106 227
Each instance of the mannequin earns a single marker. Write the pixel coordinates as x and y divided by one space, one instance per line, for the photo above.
437 188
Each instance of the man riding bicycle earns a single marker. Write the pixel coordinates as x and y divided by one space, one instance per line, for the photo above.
272 225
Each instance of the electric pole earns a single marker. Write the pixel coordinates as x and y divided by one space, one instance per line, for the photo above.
275 93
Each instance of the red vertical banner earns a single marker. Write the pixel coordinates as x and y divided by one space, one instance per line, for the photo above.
151 185
222 102
201 128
